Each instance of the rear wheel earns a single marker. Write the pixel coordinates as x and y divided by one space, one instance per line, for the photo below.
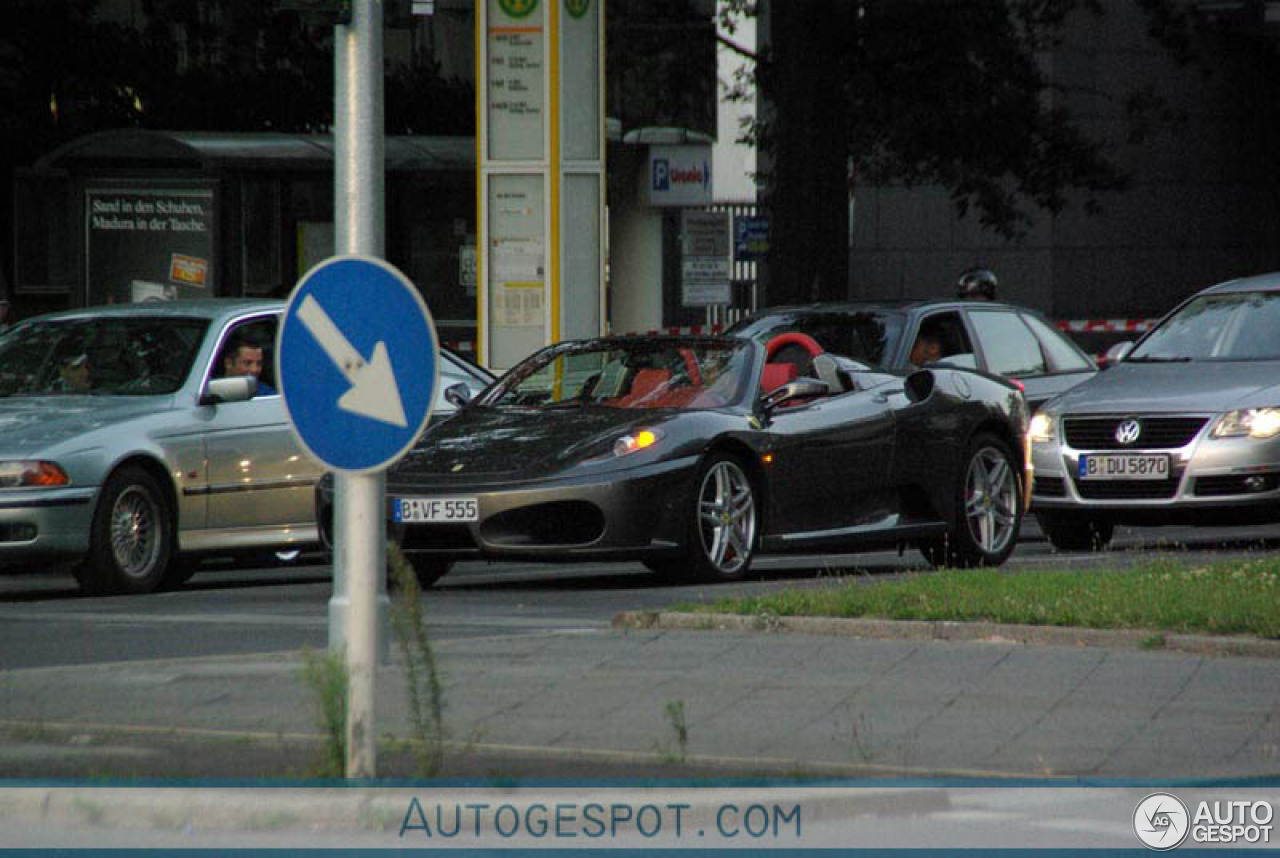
988 510
131 540
1069 531
721 539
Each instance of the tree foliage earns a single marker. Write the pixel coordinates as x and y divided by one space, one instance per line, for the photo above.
950 93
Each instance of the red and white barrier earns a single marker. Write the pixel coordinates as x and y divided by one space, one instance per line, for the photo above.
678 331
1086 326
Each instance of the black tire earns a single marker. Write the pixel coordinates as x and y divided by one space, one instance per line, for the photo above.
667 569
181 570
988 509
1070 531
723 528
131 539
429 570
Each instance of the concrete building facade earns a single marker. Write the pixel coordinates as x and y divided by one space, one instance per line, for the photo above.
1203 205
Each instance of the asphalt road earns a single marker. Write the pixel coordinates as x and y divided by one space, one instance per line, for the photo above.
225 610
208 682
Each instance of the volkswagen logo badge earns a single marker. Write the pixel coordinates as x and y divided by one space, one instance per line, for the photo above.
1128 431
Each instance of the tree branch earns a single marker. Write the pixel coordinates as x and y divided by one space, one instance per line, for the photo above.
737 49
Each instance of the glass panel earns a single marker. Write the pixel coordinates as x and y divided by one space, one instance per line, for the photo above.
1063 354
1232 326
1009 346
121 356
44 233
260 206
687 374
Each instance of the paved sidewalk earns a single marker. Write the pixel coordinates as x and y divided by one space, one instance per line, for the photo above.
669 702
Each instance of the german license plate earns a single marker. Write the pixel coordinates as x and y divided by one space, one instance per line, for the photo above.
1124 466
434 510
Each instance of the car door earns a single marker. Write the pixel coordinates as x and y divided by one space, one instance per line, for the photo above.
831 463
259 476
1008 347
1068 364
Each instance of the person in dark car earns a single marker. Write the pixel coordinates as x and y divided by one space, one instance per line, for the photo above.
928 345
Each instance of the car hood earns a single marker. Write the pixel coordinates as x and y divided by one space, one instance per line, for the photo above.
1198 386
30 423
527 443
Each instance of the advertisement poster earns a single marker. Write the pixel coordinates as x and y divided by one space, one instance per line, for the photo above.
150 244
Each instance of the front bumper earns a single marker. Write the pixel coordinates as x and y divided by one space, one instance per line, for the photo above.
642 511
1211 480
45 523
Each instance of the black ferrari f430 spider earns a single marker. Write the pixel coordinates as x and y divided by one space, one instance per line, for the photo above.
693 454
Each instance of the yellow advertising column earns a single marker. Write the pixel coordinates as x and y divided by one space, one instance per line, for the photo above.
540 188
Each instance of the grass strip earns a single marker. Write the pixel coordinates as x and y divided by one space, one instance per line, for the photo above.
1238 597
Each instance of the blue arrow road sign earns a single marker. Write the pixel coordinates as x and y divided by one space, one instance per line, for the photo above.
356 362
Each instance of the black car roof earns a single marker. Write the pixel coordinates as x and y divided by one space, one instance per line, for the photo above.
893 305
1257 283
885 304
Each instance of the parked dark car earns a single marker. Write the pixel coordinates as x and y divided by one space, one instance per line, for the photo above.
1184 429
693 453
991 336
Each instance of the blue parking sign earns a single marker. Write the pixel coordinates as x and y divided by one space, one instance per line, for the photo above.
356 361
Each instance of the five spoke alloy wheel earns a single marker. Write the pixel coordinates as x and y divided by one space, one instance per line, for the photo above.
992 501
726 520
988 509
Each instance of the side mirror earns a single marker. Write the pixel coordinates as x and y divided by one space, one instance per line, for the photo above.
457 395
1117 353
237 388
919 385
801 388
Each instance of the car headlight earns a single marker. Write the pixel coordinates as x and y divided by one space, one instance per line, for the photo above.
1254 422
1041 429
635 442
18 475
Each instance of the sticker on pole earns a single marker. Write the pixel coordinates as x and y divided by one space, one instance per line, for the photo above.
356 361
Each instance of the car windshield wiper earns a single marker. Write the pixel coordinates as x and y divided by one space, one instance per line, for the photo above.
1157 360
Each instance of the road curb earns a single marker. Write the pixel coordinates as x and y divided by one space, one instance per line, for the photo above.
978 632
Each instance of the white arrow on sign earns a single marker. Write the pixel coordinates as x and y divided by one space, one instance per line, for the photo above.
374 392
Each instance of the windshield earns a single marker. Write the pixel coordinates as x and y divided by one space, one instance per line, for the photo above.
133 356
870 336
1229 326
679 374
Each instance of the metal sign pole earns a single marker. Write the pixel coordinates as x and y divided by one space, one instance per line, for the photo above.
358 213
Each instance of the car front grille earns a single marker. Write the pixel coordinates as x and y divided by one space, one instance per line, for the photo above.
1158 433
1128 489
421 537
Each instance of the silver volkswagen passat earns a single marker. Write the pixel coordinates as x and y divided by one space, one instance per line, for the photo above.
1185 429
